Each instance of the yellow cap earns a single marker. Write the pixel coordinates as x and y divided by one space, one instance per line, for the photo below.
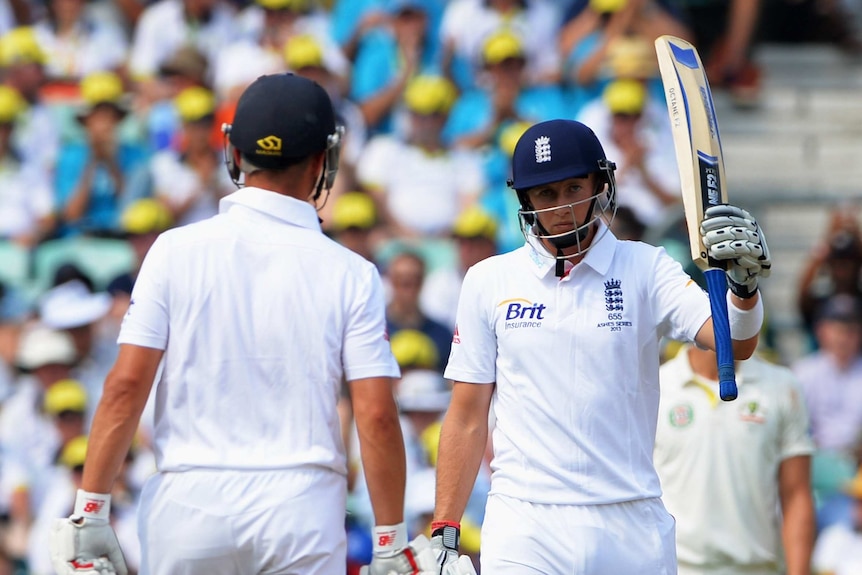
412 348
632 57
605 6
510 135
102 88
474 222
146 216
471 536
74 453
303 51
20 46
11 104
65 395
625 96
430 440
430 95
195 103
500 46
853 488
297 5
354 210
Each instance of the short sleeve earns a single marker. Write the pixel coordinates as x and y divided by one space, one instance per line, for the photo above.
367 352
681 306
795 430
146 321
473 356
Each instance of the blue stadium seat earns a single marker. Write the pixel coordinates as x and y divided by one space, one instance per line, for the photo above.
101 259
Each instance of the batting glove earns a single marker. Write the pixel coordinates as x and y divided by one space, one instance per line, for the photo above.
463 566
445 540
394 556
732 235
85 542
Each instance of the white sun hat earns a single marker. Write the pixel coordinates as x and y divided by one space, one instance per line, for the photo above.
71 305
41 345
423 390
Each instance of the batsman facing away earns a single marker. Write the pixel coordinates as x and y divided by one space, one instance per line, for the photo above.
255 318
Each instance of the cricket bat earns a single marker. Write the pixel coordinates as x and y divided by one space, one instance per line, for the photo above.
701 169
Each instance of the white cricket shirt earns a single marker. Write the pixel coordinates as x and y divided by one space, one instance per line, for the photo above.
260 315
718 461
576 365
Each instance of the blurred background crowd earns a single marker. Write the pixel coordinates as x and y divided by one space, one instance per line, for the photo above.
110 117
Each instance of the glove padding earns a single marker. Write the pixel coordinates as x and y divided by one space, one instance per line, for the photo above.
443 554
730 234
462 566
416 559
85 547
448 560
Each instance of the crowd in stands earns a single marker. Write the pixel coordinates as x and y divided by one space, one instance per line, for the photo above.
110 133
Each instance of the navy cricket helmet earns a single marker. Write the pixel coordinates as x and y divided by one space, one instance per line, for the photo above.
281 119
555 150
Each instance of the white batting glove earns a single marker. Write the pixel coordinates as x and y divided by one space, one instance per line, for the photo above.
394 556
463 566
730 234
445 540
85 542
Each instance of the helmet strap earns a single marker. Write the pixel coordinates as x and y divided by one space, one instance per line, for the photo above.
318 188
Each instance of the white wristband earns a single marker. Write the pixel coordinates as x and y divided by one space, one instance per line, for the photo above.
92 505
390 540
744 323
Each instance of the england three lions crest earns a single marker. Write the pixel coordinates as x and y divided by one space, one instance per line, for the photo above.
613 295
614 306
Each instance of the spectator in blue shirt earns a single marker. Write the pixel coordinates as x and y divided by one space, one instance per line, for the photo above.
96 178
388 57
503 95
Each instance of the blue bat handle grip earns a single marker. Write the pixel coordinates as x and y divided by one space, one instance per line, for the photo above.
716 285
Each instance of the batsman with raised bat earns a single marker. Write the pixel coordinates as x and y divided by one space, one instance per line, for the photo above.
561 339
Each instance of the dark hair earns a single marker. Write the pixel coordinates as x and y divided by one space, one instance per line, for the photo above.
69 271
845 246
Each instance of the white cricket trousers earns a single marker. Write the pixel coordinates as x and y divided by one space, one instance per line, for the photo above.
218 522
630 538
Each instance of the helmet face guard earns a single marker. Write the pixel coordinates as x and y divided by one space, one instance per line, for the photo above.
333 154
554 151
603 206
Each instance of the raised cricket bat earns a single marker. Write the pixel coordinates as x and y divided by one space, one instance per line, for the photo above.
701 169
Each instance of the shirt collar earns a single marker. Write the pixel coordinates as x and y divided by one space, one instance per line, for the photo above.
285 208
598 257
